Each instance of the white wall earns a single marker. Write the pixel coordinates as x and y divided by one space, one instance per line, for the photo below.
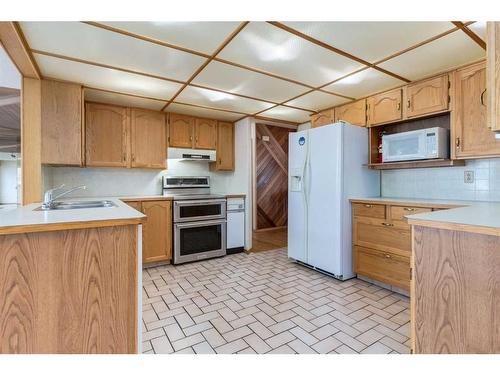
9 188
445 183
304 126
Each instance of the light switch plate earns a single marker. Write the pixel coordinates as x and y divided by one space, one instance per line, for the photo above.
469 177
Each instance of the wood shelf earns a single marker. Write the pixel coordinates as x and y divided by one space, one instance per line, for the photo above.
434 163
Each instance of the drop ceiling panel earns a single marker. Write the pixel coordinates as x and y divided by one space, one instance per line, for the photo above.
287 114
440 55
202 112
361 84
317 100
105 78
76 39
271 49
123 100
241 81
216 99
479 28
371 41
203 37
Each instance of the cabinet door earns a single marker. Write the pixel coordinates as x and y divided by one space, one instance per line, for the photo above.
471 135
106 135
353 113
323 118
148 140
225 146
205 134
385 107
426 97
157 231
180 131
62 128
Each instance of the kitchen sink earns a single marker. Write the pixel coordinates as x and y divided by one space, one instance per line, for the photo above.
72 205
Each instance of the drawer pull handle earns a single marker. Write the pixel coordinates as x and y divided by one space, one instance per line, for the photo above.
387 256
387 224
409 209
368 206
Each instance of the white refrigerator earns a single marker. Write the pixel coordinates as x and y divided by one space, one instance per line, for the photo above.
327 167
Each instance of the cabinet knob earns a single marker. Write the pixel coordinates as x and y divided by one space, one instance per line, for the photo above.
368 206
387 256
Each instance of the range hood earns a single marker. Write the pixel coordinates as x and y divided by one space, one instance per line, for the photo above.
191 154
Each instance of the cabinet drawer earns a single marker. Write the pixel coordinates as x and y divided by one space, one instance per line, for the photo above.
382 235
368 210
399 212
383 266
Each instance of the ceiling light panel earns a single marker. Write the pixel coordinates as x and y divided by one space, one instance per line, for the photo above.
317 100
287 114
104 78
202 112
241 81
123 100
203 37
365 82
76 39
220 100
264 46
438 56
479 28
371 41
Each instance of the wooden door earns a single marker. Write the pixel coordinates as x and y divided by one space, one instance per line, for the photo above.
148 140
62 123
271 162
180 131
384 107
106 135
225 147
470 134
426 97
323 118
157 231
353 113
205 134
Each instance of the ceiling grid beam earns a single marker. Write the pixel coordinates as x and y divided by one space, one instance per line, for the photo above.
471 34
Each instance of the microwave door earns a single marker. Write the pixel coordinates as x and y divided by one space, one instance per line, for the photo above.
400 147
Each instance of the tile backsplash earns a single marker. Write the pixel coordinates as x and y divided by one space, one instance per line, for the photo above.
445 183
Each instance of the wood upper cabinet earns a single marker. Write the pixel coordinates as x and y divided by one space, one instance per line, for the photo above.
384 107
428 96
157 231
180 131
225 147
323 118
493 74
205 134
62 123
353 113
106 135
148 139
471 136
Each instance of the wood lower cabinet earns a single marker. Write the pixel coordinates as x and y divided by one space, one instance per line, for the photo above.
148 139
384 107
180 130
323 118
225 147
470 133
156 231
353 113
62 123
106 135
205 134
428 96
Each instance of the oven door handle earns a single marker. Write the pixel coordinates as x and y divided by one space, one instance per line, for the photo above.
200 202
199 224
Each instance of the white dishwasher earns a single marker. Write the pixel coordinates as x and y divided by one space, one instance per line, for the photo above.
235 225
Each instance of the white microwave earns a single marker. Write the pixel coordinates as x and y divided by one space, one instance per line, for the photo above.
432 143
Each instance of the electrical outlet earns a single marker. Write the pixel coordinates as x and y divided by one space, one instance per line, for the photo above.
469 177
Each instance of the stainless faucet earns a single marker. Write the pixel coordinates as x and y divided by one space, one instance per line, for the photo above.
49 197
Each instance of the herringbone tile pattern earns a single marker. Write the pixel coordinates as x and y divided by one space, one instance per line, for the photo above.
265 303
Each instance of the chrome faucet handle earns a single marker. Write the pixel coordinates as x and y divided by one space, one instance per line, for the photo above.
49 196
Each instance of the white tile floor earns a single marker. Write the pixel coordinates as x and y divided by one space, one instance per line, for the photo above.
265 303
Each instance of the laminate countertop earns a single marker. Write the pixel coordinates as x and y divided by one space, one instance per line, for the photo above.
468 216
26 219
